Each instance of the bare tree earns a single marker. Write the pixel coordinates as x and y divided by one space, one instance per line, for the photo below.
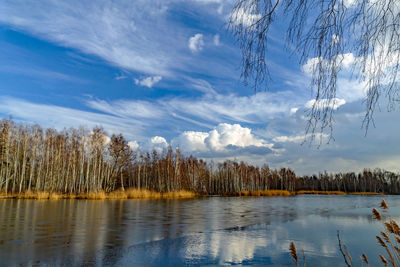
325 33
121 155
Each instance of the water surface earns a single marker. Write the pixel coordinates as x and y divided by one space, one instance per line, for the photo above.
205 231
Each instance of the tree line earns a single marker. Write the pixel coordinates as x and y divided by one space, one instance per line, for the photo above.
74 161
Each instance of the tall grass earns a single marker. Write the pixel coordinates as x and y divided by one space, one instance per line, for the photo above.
265 193
130 193
133 193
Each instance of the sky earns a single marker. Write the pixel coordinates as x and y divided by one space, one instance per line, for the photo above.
167 72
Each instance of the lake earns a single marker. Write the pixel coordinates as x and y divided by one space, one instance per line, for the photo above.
203 231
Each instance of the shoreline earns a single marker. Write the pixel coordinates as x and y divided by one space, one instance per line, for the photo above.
132 193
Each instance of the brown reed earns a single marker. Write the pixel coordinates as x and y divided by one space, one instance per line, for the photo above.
383 260
364 258
384 205
376 214
293 253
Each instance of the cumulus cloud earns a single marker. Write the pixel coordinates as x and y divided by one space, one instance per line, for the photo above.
196 43
149 81
133 145
233 134
192 141
223 138
159 140
158 143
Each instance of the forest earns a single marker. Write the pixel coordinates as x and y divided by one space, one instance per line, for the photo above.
79 161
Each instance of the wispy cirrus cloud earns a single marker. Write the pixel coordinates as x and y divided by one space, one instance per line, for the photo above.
61 117
131 35
114 31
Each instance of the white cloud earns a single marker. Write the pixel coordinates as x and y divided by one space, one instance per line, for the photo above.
149 81
190 141
106 139
335 39
159 140
350 87
127 109
293 111
203 86
312 63
133 145
299 138
244 18
222 138
347 60
233 134
216 40
349 3
158 143
196 43
121 77
211 107
257 108
209 1
333 103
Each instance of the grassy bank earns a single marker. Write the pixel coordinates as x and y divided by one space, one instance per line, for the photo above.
264 193
315 192
132 193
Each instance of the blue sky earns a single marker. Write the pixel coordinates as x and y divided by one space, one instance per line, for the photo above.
168 73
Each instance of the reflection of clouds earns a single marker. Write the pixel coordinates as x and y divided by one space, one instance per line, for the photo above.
215 244
239 247
328 248
197 248
225 246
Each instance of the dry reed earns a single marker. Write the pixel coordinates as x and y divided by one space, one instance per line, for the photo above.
366 193
376 214
384 205
293 253
130 193
315 192
364 258
383 260
264 193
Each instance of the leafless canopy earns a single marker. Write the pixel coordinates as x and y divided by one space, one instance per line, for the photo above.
326 31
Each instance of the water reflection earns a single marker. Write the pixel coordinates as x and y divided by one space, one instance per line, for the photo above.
209 231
